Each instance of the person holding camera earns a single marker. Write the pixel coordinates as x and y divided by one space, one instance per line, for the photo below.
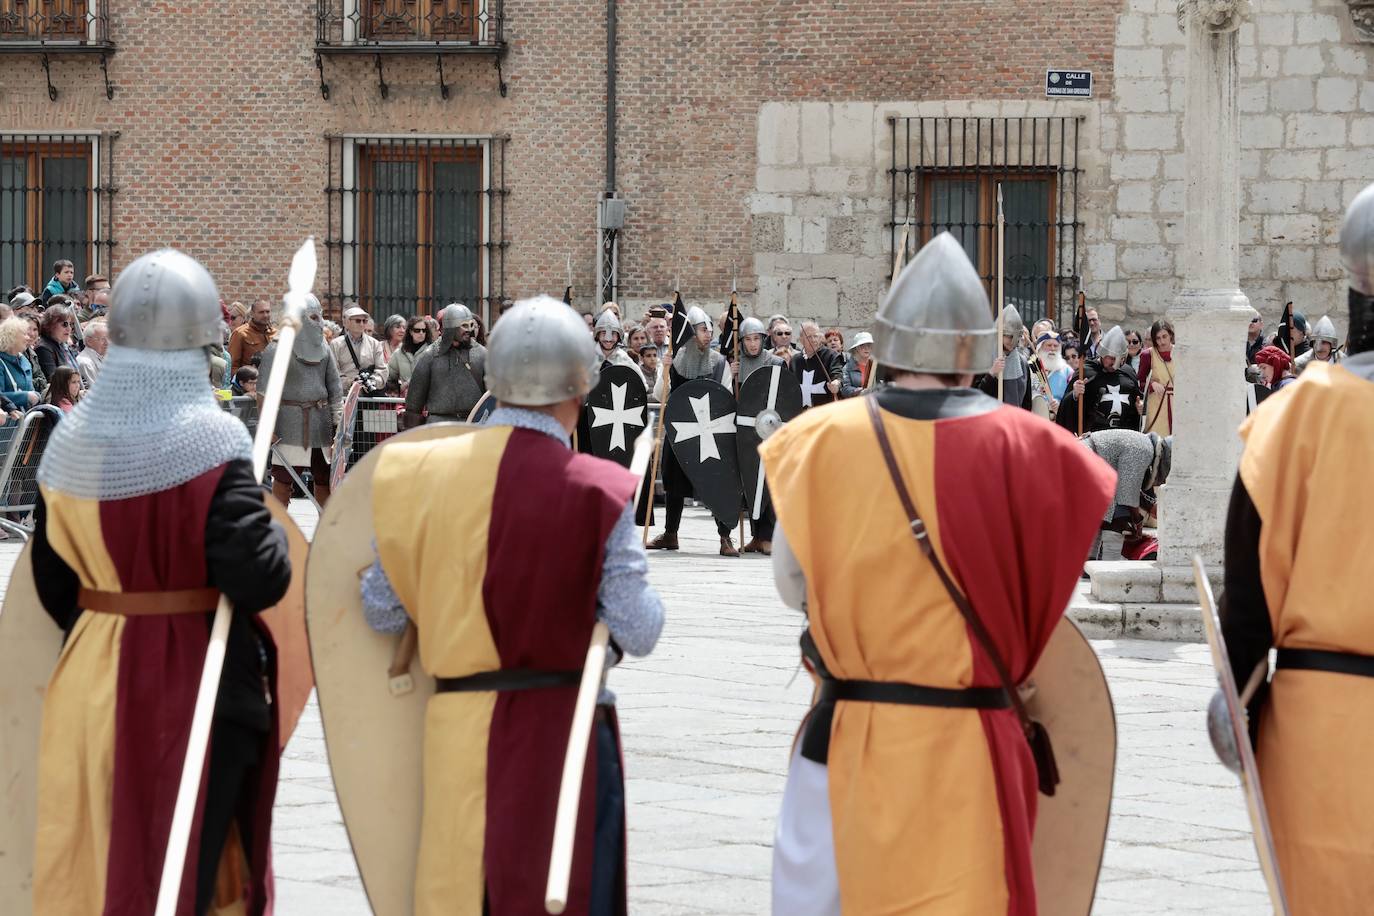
359 354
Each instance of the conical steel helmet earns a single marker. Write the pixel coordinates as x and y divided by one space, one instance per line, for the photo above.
1113 343
165 300
937 318
1325 329
540 353
1357 254
1357 242
751 325
1012 323
607 321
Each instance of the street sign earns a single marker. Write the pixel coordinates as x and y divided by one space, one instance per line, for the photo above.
1073 84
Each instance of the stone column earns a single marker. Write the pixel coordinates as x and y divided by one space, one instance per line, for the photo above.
1210 314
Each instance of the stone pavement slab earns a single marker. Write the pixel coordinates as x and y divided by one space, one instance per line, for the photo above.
708 720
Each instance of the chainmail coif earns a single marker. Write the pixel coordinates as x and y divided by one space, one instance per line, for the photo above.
149 423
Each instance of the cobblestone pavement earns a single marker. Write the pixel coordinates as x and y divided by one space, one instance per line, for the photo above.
708 720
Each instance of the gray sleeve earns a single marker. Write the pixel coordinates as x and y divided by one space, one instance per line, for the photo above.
333 387
629 607
381 608
787 572
479 367
417 395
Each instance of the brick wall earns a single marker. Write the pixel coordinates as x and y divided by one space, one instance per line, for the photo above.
222 145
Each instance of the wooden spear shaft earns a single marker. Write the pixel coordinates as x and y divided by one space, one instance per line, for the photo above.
300 280
665 369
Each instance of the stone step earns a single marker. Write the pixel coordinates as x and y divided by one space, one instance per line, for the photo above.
1137 620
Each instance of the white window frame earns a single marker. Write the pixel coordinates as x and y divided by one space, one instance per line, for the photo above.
348 233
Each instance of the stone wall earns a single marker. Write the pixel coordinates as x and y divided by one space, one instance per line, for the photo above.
822 193
1307 136
824 197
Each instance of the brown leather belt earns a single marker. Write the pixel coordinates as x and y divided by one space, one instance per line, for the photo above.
138 604
307 408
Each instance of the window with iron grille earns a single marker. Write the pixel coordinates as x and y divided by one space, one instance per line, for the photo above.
945 175
416 223
54 21
342 23
56 192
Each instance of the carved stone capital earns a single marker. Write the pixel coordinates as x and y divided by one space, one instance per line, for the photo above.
1218 16
1362 14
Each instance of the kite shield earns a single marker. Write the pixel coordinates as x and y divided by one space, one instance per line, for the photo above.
616 413
373 715
1072 701
483 408
767 399
1235 738
701 430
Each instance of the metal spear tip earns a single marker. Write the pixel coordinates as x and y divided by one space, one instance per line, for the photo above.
299 281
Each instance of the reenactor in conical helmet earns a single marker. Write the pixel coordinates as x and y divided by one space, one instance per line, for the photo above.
1012 364
1326 345
912 785
503 548
1109 391
149 512
1292 583
449 377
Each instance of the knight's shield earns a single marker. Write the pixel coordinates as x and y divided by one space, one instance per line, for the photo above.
30 643
343 435
483 408
617 413
1070 698
1238 741
373 716
767 399
701 431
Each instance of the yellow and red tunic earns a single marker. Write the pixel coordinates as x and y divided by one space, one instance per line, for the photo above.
1296 537
117 712
932 809
498 573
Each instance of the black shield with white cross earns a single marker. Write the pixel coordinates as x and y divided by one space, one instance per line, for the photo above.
768 398
700 427
617 411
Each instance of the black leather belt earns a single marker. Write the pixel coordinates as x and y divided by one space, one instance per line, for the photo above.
507 680
1324 660
816 735
914 694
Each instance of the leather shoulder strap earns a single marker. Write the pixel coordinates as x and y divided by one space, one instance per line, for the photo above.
922 538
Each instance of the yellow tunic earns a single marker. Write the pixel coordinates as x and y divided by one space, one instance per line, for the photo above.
1303 465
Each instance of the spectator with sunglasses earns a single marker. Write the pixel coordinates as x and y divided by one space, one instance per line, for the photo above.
403 358
1133 347
1254 338
54 347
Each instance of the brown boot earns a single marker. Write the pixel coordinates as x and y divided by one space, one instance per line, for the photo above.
757 546
665 541
727 548
281 487
766 548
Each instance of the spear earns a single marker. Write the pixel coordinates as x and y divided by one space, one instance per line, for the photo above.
567 290
575 759
1080 327
732 323
299 282
665 368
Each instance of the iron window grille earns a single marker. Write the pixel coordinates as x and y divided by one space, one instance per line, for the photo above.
54 25
945 174
56 201
409 26
415 223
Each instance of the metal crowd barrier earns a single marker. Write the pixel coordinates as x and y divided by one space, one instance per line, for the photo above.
24 441
374 421
245 407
